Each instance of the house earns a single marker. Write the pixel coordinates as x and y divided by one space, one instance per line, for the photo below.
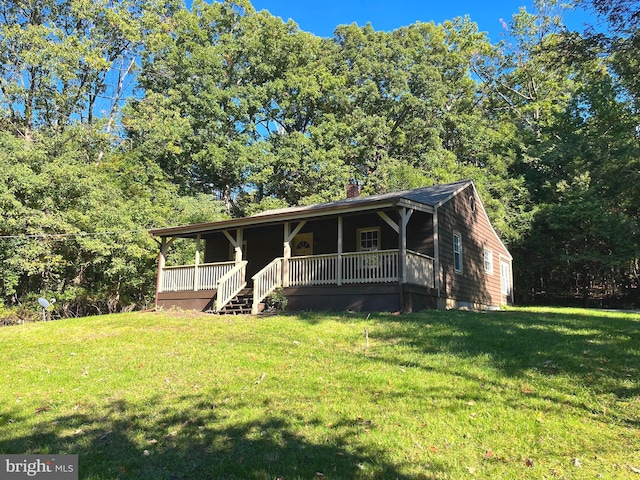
430 247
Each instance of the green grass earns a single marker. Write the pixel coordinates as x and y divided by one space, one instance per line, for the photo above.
537 393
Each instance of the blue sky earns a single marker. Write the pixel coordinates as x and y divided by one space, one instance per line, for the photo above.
321 17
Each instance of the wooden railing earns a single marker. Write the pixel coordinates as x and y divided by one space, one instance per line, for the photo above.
370 267
230 284
184 278
265 282
360 267
420 270
210 273
228 278
177 279
313 270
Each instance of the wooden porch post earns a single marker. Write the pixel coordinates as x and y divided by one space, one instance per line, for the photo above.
286 254
405 215
339 266
162 260
238 245
436 253
196 279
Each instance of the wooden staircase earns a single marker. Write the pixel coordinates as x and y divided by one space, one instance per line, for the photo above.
240 305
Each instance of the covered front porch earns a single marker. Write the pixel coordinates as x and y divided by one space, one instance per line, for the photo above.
360 253
221 282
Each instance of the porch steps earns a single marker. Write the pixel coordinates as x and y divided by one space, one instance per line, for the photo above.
241 304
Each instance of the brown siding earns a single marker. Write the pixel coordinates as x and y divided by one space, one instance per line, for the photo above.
263 245
420 233
473 285
201 300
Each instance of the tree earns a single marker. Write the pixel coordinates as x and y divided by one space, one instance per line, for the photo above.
577 149
67 62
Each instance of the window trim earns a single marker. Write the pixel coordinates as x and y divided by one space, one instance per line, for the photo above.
506 279
456 267
360 231
488 253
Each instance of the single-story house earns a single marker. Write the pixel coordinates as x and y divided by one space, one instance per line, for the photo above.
430 247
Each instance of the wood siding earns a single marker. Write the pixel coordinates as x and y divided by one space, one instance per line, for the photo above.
263 245
473 286
420 233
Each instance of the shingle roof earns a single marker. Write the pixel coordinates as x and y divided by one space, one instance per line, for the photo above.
432 196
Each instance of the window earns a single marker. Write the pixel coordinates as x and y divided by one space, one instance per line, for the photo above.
368 239
488 260
457 252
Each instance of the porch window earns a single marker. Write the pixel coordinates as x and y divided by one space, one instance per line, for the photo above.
457 251
368 239
488 260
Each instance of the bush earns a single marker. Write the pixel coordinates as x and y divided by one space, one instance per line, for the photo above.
17 315
276 300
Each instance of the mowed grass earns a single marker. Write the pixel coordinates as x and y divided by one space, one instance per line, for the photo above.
540 393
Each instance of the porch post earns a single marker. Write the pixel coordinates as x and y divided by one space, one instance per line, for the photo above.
162 260
402 244
238 245
286 254
196 277
405 215
339 266
436 252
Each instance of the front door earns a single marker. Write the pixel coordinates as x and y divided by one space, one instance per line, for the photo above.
303 244
505 279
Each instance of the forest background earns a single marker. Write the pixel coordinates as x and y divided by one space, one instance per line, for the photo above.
121 115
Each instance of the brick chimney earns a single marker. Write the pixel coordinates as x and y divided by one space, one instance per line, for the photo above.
353 190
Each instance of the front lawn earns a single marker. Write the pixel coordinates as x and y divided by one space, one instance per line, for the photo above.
539 393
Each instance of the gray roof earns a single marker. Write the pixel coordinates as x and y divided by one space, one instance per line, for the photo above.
430 197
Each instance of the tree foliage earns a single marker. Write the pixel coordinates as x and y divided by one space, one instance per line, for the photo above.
235 111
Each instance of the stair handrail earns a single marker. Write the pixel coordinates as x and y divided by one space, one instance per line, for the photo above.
266 281
230 284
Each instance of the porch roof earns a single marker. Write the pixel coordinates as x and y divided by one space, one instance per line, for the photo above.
424 198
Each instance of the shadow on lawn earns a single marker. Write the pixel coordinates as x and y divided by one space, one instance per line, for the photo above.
601 352
168 443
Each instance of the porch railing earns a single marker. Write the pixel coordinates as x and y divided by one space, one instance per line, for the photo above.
265 282
332 269
184 278
420 269
370 267
313 270
230 284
